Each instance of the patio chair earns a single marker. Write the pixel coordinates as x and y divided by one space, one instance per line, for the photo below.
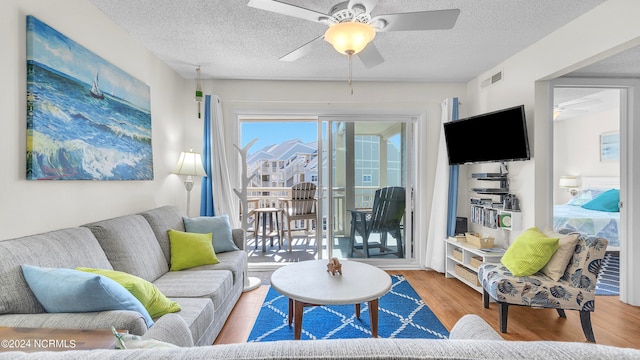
301 206
385 217
574 291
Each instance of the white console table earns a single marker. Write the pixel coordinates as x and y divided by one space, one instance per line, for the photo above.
470 256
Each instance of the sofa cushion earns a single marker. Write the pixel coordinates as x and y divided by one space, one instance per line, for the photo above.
131 246
128 341
189 250
211 284
66 248
161 220
234 261
173 329
148 294
62 290
218 226
473 327
199 315
132 321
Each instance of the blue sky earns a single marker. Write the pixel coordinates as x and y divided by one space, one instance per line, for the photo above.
269 133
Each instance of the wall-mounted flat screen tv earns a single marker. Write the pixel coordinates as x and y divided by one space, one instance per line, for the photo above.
492 137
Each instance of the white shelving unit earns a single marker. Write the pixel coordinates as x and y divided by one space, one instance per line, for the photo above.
467 253
510 220
488 215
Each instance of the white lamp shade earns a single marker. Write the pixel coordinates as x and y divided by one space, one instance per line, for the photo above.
568 182
190 163
349 37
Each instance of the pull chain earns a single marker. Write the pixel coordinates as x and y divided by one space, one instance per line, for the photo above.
349 54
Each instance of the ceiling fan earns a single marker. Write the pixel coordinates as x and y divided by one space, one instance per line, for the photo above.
574 106
357 13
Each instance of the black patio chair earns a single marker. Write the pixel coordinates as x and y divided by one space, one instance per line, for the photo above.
385 217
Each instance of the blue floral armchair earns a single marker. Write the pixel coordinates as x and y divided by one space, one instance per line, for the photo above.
574 291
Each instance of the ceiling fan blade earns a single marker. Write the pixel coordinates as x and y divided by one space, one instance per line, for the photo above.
303 50
288 9
422 20
580 102
369 5
371 56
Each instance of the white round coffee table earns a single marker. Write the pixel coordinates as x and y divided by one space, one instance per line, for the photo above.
307 283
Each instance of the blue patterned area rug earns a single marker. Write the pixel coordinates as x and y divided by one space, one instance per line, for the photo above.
609 276
401 314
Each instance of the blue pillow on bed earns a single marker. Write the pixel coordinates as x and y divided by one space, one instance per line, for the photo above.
607 201
584 197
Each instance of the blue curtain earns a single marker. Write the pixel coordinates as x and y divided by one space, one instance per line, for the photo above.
206 198
453 183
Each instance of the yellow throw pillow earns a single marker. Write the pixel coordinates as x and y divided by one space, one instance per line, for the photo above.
148 294
529 252
189 250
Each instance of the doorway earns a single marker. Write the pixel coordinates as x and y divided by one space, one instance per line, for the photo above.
587 156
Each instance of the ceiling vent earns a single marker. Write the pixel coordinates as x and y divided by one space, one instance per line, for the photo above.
491 80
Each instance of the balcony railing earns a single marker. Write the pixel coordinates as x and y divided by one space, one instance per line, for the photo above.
261 197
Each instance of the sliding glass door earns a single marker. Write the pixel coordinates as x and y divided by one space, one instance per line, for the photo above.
366 187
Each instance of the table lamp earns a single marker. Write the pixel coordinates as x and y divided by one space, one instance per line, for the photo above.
189 164
570 183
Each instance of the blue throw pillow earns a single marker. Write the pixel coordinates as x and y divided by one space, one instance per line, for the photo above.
73 291
219 226
585 196
607 201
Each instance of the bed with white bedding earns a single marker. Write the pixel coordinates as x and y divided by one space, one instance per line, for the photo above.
573 216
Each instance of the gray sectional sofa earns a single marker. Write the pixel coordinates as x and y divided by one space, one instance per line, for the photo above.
137 244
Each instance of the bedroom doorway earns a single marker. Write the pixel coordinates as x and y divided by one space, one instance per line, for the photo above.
588 165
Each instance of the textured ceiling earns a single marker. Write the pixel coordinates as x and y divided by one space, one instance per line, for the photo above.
230 40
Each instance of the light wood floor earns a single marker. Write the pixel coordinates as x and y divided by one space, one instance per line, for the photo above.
614 323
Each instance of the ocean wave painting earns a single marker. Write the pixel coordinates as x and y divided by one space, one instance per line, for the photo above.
86 118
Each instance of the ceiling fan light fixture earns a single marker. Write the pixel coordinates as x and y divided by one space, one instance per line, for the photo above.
349 37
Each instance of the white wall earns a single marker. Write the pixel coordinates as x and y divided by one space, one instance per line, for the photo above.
28 207
576 144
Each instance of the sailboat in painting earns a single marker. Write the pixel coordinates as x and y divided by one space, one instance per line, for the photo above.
95 89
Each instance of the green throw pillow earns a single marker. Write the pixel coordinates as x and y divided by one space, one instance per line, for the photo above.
189 250
148 294
529 252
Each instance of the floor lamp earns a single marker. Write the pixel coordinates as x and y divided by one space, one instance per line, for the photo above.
189 164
